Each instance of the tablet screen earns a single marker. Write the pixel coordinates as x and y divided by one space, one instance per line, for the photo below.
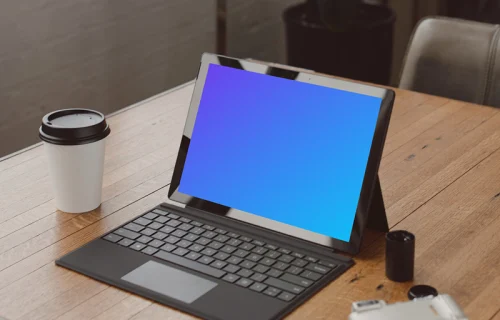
285 150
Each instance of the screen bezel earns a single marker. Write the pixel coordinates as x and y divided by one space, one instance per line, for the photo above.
361 216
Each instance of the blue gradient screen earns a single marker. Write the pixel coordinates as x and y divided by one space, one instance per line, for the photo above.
281 149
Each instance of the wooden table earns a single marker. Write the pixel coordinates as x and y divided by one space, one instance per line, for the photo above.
440 176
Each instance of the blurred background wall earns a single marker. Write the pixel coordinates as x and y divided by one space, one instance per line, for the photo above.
108 54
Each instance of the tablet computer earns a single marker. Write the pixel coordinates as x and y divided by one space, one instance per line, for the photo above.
289 151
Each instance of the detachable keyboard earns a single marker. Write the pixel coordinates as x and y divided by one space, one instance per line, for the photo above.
238 259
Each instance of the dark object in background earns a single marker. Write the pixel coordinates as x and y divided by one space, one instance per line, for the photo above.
477 10
399 255
421 291
346 38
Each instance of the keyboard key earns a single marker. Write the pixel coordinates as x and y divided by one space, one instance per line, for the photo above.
191 237
260 268
296 280
247 246
133 227
267 261
160 235
327 264
209 234
172 239
185 227
230 278
138 246
150 216
168 247
173 223
167 229
184 243
310 259
184 219
196 247
259 250
233 235
241 253
285 296
193 255
259 277
196 223
297 255
173 216
271 246
234 242
259 287
127 233
311 275
221 238
149 250
228 249
274 273
285 251
273 292
294 270
273 254
221 231
162 219
197 230
244 282
318 268
216 245
281 265
160 212
231 268
180 251
179 233
148 232
144 239
126 242
218 264
234 260
208 251
142 221
283 285
203 241
258 243
208 227
221 256
246 239
300 263
254 257
155 225
206 260
247 264
113 237
286 258
193 265
156 243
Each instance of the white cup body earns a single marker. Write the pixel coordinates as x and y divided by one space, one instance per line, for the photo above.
76 174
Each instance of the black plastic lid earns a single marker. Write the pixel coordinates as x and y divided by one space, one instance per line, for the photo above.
73 127
421 291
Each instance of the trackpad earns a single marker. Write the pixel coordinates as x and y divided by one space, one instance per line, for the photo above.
169 281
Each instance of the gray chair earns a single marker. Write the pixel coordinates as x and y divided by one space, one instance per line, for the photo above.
454 58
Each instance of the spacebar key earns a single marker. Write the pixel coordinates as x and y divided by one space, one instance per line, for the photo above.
283 285
193 265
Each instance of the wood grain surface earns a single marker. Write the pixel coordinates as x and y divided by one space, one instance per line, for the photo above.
440 177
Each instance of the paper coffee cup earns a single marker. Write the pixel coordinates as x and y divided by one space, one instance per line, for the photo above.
74 142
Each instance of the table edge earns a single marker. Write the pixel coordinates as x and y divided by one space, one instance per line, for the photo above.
135 105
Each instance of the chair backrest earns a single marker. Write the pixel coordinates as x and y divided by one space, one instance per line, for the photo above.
454 58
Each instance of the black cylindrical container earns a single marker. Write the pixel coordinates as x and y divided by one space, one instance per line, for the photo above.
399 255
361 52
